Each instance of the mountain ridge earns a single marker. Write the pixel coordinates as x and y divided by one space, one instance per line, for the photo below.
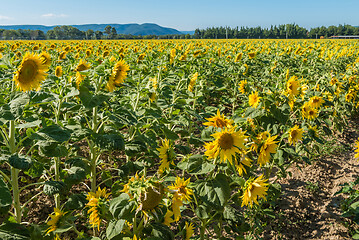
130 28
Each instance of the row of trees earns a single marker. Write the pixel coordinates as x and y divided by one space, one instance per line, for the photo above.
69 32
292 31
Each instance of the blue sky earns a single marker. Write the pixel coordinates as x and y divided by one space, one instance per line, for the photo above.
182 15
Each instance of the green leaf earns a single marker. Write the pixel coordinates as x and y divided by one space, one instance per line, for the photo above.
169 134
53 187
75 175
215 192
17 104
35 123
75 202
5 197
64 228
90 100
53 133
13 231
122 208
196 165
161 231
20 161
52 149
6 115
114 229
109 142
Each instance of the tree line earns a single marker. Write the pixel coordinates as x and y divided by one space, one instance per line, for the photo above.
291 31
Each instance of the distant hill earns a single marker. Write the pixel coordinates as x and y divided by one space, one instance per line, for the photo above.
133 28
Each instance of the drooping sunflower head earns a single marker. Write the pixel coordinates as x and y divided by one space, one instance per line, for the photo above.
30 73
253 190
166 154
243 86
96 203
219 121
56 219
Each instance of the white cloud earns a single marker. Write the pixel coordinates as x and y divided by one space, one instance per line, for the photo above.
52 15
5 17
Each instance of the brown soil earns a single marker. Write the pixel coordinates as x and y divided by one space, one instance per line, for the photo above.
309 207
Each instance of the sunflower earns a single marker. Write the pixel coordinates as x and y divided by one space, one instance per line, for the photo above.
58 71
172 55
154 82
226 144
55 221
267 148
293 86
30 73
313 131
238 57
295 134
189 230
166 155
252 55
79 79
181 194
82 66
357 149
242 163
254 99
316 101
62 55
308 111
141 57
95 202
219 121
168 218
192 82
245 69
46 59
119 73
254 189
243 86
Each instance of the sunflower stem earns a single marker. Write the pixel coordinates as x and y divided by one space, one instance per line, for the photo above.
14 174
57 178
202 230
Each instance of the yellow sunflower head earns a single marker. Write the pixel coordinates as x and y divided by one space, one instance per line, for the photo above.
219 121
295 135
227 144
254 189
30 73
119 73
56 219
254 99
46 59
58 71
82 66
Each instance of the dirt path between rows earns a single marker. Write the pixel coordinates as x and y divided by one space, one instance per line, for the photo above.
309 207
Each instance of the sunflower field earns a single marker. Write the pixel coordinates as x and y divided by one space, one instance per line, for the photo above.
162 139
